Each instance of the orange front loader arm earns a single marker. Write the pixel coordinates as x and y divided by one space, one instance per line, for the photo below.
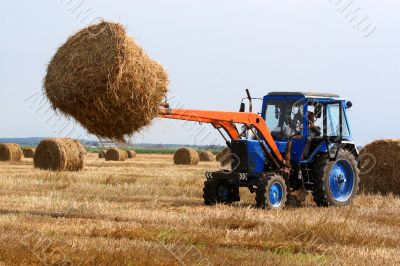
227 121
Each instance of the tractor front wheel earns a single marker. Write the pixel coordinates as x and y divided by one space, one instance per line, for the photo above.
219 191
271 193
335 182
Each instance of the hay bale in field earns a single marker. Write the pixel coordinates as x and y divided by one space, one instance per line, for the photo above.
223 152
131 154
60 155
10 152
206 156
104 80
28 152
116 155
102 154
380 167
186 156
224 157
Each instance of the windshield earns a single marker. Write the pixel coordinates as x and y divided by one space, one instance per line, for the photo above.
284 118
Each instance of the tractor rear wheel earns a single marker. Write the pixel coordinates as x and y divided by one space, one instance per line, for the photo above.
271 193
335 182
219 191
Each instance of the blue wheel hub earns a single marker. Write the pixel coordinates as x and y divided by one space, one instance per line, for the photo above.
341 180
276 194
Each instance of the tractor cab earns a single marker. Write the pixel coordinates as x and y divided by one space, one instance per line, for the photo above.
313 123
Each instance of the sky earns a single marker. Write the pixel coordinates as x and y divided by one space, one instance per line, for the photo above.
212 51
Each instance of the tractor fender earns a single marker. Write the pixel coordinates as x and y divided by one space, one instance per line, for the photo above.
346 145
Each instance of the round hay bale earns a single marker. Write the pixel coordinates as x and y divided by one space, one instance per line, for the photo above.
206 156
102 154
116 155
28 152
10 152
186 156
222 153
380 167
224 157
131 154
60 155
104 80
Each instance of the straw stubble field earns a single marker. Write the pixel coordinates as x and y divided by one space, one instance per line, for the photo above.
148 211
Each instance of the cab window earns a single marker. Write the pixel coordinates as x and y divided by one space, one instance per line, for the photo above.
285 118
333 121
345 126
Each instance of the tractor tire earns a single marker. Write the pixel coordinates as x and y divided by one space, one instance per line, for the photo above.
335 182
219 191
271 193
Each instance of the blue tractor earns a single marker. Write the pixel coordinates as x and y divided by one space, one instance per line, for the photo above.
299 143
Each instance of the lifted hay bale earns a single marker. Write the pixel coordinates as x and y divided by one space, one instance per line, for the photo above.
186 156
60 155
10 152
28 152
116 155
104 80
206 156
102 154
131 154
380 167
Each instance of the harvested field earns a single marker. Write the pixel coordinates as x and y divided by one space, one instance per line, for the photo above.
105 81
146 211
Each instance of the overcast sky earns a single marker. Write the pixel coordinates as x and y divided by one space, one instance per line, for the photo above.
212 51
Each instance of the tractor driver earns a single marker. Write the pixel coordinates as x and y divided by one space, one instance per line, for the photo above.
314 130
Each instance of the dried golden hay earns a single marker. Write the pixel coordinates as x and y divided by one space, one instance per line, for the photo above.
131 154
224 157
186 156
380 167
116 155
60 155
10 152
104 80
28 152
102 154
206 156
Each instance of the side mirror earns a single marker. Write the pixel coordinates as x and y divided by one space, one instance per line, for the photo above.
349 105
242 107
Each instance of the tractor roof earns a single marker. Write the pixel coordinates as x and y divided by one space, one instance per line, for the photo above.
305 94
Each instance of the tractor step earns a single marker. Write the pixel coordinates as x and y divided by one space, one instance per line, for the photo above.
237 179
